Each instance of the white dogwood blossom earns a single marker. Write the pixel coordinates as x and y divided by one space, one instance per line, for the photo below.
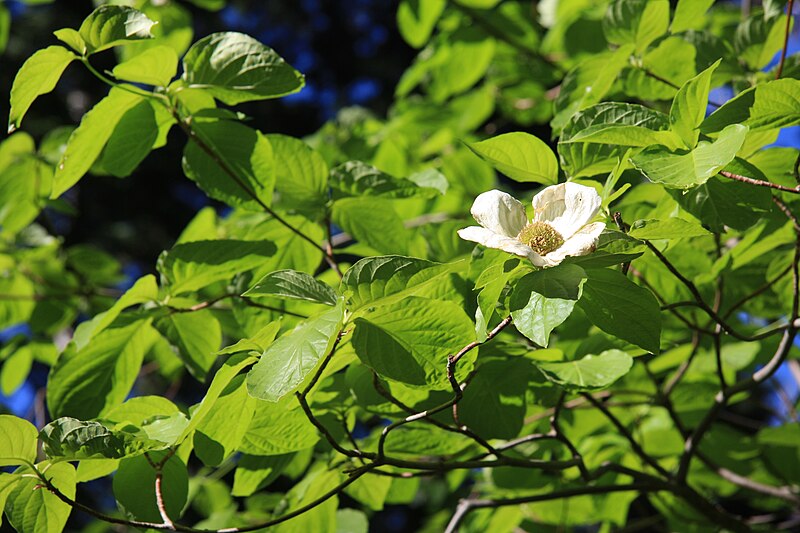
560 226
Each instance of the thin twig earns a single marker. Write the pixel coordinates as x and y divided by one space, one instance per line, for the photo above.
785 38
760 183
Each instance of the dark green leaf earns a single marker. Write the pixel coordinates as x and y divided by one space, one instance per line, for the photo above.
494 403
294 285
621 308
69 439
134 481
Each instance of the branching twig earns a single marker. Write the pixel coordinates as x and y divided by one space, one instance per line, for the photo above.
760 183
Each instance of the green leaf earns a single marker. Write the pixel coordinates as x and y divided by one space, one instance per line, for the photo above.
587 83
589 159
494 403
221 432
544 299
293 285
134 481
590 373
639 22
374 280
24 190
770 105
133 138
664 68
409 340
758 39
190 266
287 362
689 14
689 106
621 308
355 178
321 519
71 439
37 76
624 135
684 171
71 38
254 472
197 335
673 228
417 18
236 68
144 290
370 491
85 382
154 66
351 521
722 202
229 370
277 430
520 156
89 138
301 174
19 307
5 27
372 221
17 441
7 484
460 62
110 25
231 163
33 510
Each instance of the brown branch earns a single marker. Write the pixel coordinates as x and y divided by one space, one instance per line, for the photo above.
785 38
760 183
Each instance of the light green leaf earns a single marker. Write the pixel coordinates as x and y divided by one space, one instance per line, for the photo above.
7 484
220 433
17 441
86 382
21 303
520 156
460 62
301 174
155 66
89 138
37 76
111 25
770 105
372 221
494 403
590 373
17 366
71 38
624 135
673 228
417 18
229 370
355 178
134 481
33 510
321 519
294 285
409 340
587 83
689 14
236 68
144 290
24 190
231 163
758 39
190 266
689 106
277 430
684 171
370 491
69 439
621 308
287 362
544 299
374 280
197 335
636 21
351 521
5 27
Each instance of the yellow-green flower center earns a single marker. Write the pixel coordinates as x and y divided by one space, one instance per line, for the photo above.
540 236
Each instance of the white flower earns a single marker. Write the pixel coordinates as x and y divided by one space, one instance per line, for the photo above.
560 226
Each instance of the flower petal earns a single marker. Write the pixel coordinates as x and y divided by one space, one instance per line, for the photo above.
581 243
567 207
493 240
499 212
